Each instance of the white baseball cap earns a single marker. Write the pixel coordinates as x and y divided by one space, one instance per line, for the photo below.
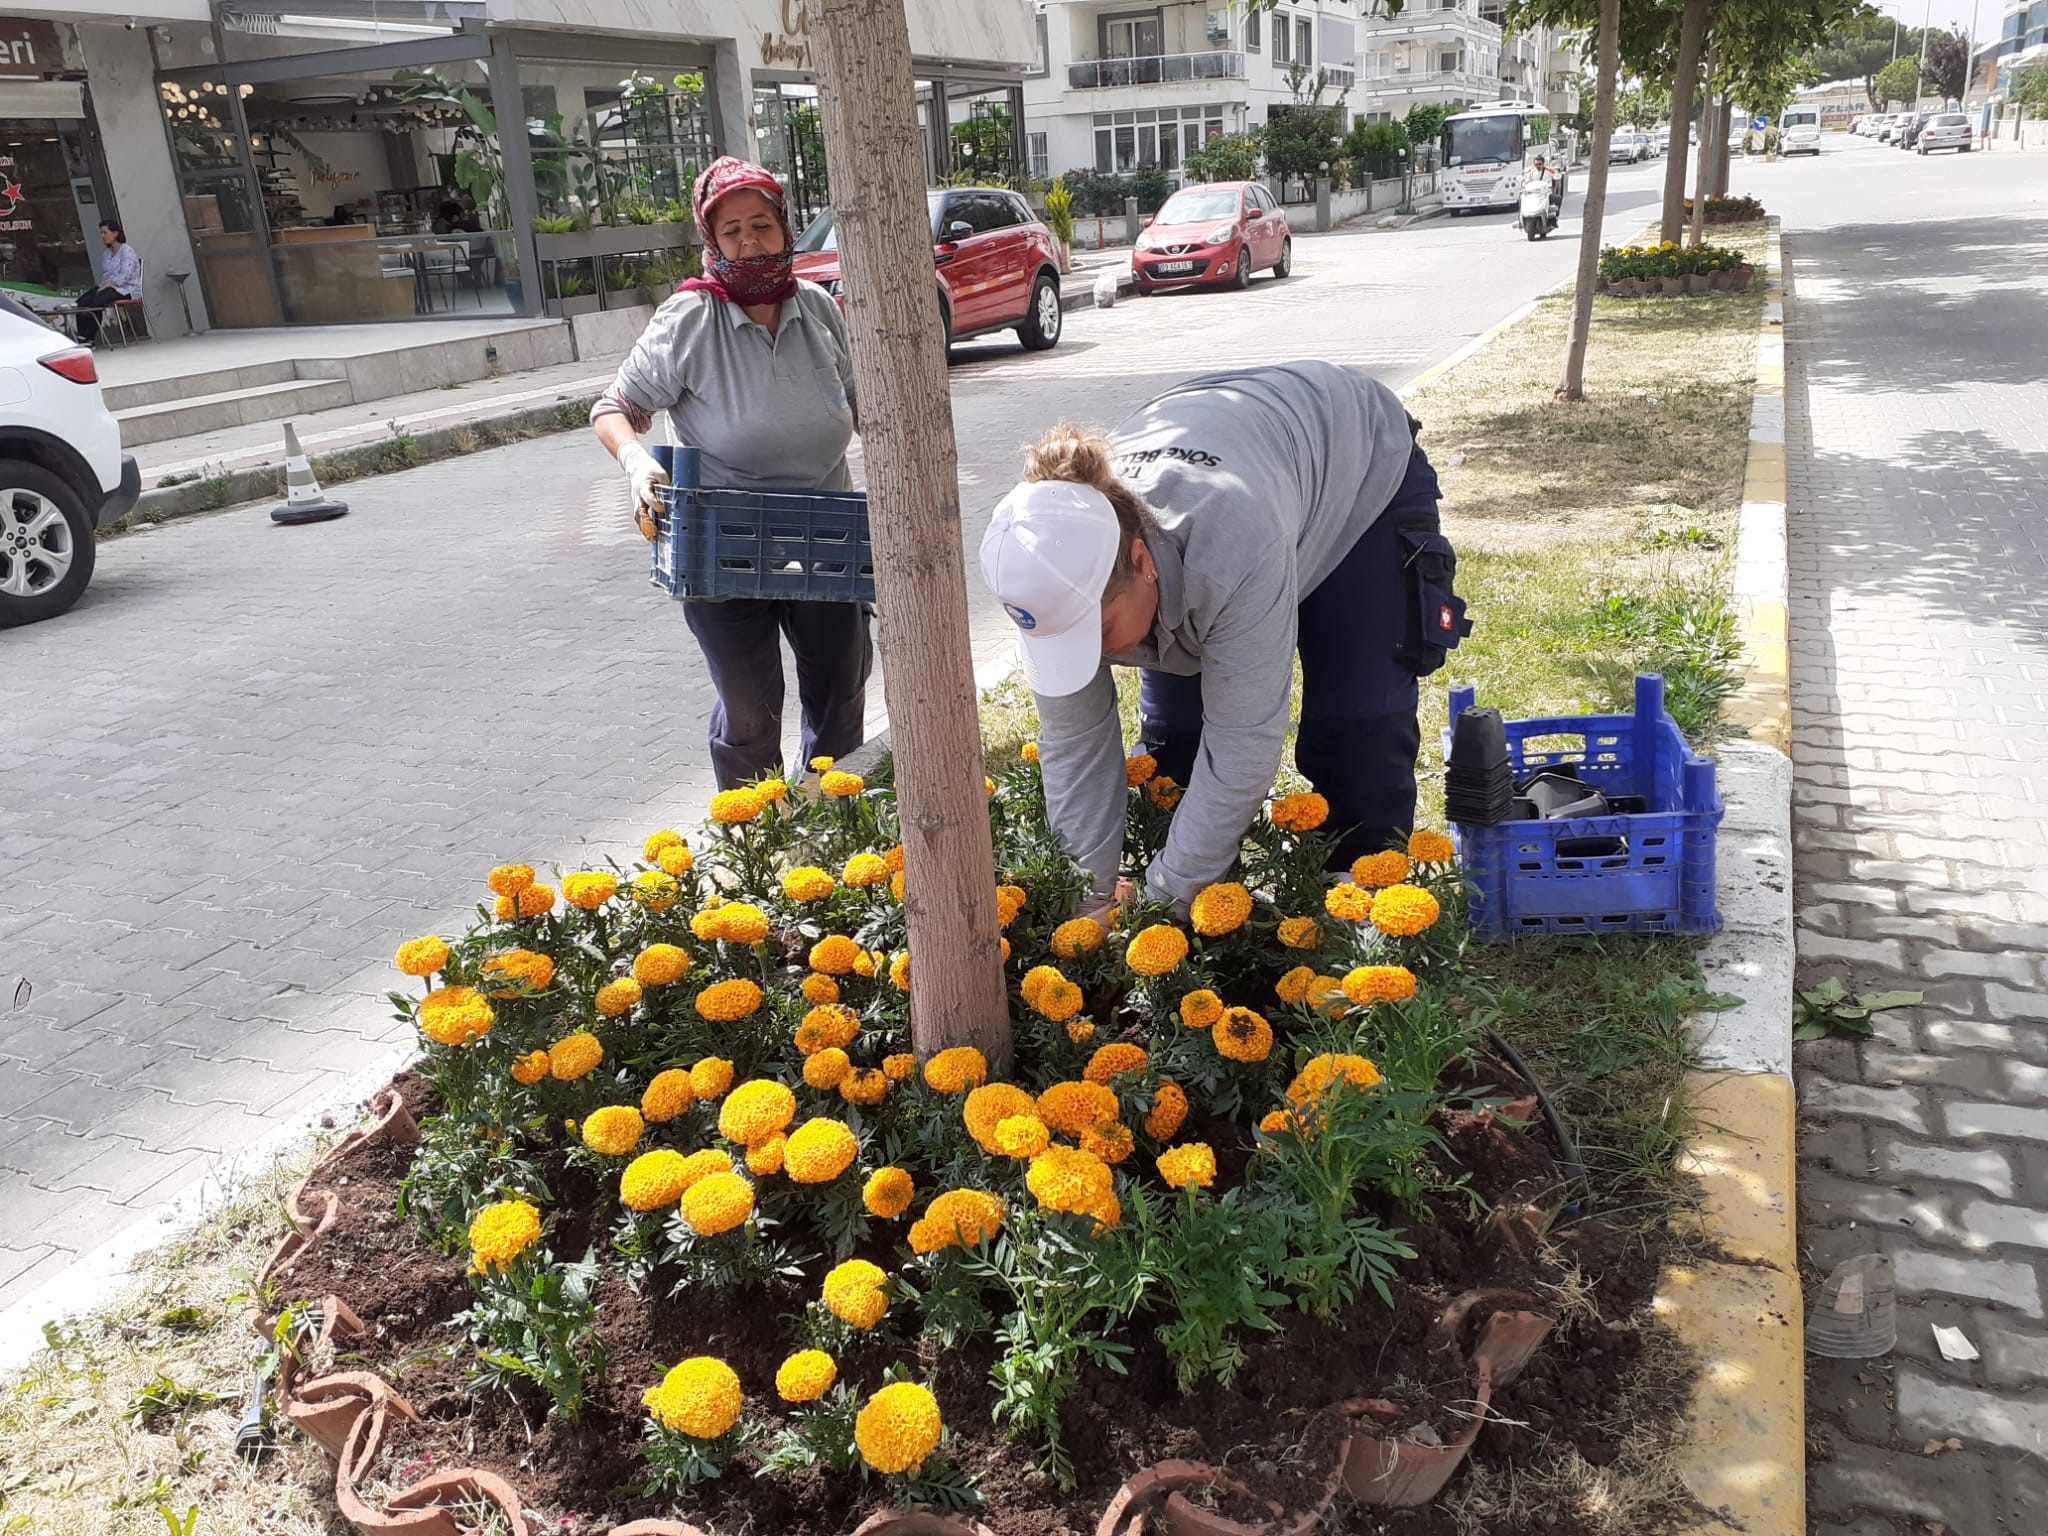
1047 556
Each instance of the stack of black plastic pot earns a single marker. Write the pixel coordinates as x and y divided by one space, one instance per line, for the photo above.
1479 778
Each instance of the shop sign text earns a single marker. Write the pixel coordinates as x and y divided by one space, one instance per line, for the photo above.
28 48
791 46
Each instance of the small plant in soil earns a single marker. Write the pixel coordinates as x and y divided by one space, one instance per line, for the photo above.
534 1320
1832 1009
164 1400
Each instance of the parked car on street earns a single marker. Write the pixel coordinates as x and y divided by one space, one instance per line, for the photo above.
63 476
1887 126
1799 131
1909 132
1216 232
1628 147
1948 130
996 266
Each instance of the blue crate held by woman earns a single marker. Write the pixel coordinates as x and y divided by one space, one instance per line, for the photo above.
794 544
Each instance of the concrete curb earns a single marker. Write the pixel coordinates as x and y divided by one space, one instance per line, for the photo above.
1741 1310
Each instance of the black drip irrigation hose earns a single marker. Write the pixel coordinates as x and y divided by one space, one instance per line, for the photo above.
1574 1169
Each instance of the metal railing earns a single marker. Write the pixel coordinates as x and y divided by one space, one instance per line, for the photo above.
1155 69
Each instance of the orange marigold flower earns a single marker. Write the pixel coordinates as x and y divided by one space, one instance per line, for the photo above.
854 1294
1036 980
1069 1179
826 1069
828 1024
900 1066
819 1151
422 957
898 1428
613 1130
1293 987
1080 1031
894 859
773 790
653 1180
956 1070
1379 984
888 1193
805 1376
820 988
1077 936
1140 768
1010 900
864 870
1169 1111
808 883
1029 751
1074 1109
1111 1061
1164 793
659 964
531 969
725 1001
1200 1009
710 1078
1243 1036
1377 870
1156 950
655 891
741 922
1319 1072
1426 847
1404 910
615 997
455 1015
1219 909
756 1110
1112 1143
835 955
899 972
510 879
768 1157
1347 903
730 807
989 1105
868 962
651 849
1299 813
957 1218
574 1056
530 1068
669 1095
1192 1166
1058 1001
589 888
1022 1136
842 786
676 861
1299 932
865 1086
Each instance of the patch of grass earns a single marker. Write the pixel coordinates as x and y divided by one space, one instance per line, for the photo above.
401 452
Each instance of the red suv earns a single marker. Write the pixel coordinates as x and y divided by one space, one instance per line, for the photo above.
997 266
1217 232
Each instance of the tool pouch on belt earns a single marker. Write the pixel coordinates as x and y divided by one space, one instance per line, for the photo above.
1436 614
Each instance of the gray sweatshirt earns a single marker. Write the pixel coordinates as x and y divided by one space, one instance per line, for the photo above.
1261 480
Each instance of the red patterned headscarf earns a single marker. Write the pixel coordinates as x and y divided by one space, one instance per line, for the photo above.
762 279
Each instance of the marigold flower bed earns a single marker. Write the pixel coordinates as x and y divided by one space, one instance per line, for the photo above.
689 1232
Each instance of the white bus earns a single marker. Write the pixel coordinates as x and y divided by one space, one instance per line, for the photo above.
1486 149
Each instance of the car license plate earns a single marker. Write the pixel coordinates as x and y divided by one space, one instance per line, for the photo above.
1175 266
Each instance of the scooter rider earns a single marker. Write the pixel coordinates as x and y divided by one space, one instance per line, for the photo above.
1542 169
1235 520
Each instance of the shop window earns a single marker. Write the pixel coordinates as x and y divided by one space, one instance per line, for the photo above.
49 211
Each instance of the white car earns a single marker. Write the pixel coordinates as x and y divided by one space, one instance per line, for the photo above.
1947 130
1799 132
62 473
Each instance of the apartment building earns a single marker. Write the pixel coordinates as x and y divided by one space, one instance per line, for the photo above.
1456 52
2022 41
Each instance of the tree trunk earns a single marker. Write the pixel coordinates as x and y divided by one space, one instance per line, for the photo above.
1708 150
1724 124
899 365
1692 31
1572 386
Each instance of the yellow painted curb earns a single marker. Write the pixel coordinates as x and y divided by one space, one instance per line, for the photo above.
1764 479
1740 1312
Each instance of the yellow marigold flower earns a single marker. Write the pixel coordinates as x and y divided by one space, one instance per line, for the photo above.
455 1015
1426 847
510 879
725 1001
1276 1120
422 957
1192 1166
1169 1111
988 787
574 1056
827 1024
1299 813
741 922
1010 900
808 883
655 891
773 790
806 1375
819 1151
676 861
653 1180
826 1069
1378 870
956 1070
899 972
1029 751
896 885
864 870
530 968
530 1068
1156 950
1111 1143
1108 1215
730 807
1379 984
769 1156
1164 793
842 786
755 1111
1347 903
615 997
958 1218
1326 995
854 1294
1404 910
1200 1009
1140 768
1080 1031
500 1233
669 1095
613 1130
1022 1136
835 955
589 888
899 1067
1114 1060
898 1428
1243 1036
1036 980
1069 1179
1077 936
1074 1109
867 963
820 988
707 924
1005 946
1293 987
1219 909
888 1193
1316 1076
717 1203
710 1078
988 1106
651 849
822 763
699 1398
865 1086
701 1165
1058 1001
1299 932
659 964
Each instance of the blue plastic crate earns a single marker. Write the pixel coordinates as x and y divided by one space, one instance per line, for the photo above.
795 544
1661 880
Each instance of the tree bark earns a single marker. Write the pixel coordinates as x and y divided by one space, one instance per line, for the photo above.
1723 125
892 320
1692 30
1708 150
1572 386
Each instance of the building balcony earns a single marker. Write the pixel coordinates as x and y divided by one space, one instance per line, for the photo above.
1341 77
1421 82
1155 69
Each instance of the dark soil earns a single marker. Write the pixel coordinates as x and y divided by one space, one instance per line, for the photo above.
1271 1429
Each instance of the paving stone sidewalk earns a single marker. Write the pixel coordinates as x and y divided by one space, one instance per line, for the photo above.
1917 407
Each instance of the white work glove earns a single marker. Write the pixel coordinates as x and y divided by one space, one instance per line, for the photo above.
644 473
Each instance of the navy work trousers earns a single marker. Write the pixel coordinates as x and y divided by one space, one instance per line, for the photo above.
1358 733
741 638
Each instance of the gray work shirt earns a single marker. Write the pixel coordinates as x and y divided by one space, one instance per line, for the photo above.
1261 480
764 409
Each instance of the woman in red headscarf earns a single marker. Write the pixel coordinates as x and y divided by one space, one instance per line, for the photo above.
752 367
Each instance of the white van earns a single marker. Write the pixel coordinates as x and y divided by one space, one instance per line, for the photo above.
1799 131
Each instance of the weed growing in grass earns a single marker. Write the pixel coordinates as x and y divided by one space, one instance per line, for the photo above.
214 491
402 452
1687 633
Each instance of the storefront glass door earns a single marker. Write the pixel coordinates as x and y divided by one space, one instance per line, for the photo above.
49 210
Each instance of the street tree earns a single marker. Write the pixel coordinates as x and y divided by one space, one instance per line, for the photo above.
1898 83
1301 136
1859 45
1424 124
1692 37
871 136
1607 67
1948 65
2030 87
1227 157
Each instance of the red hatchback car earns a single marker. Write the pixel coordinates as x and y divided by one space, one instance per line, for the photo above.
1217 232
997 266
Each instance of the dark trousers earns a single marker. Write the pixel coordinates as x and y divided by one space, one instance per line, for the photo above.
742 643
1358 733
96 299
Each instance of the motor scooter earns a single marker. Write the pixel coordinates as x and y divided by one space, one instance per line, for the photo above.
1538 216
